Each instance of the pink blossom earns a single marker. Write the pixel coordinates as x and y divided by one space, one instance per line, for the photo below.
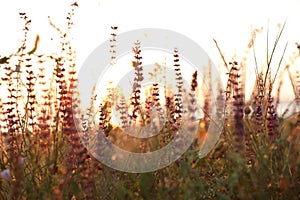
21 160
5 174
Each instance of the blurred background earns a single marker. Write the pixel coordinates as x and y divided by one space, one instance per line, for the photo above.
229 22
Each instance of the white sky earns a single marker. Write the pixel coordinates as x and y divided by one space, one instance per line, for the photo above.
229 21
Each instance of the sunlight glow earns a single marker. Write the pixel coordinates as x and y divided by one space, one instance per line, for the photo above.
229 22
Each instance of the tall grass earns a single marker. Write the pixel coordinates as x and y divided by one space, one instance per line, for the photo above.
42 155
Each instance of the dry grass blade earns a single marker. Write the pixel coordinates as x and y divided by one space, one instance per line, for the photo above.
221 54
292 82
273 51
279 64
254 54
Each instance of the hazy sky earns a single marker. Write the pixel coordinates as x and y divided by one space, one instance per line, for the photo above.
227 21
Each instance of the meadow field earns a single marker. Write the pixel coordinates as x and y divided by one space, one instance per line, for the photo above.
43 154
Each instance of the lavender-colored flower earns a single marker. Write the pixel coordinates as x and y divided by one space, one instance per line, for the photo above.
21 160
5 174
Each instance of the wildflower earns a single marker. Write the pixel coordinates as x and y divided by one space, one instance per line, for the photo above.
5 174
21 160
75 4
4 60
